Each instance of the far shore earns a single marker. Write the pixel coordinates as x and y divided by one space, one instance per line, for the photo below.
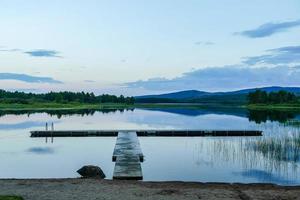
102 106
279 107
92 189
61 106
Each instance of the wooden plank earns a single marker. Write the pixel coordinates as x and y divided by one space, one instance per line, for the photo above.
146 133
128 157
127 143
128 168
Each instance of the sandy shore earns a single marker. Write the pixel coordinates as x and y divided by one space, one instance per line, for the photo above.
91 189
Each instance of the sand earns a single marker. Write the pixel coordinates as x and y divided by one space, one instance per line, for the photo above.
93 189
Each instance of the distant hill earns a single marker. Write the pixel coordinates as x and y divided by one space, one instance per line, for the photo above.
187 94
295 90
195 96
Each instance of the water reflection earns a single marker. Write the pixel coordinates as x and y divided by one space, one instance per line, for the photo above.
271 158
260 116
274 157
40 150
21 125
63 112
264 177
257 116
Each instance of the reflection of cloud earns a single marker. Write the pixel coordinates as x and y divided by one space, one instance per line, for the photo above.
22 125
269 29
41 150
201 111
43 53
263 176
27 78
283 55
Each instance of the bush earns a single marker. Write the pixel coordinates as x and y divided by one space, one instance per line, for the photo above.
11 198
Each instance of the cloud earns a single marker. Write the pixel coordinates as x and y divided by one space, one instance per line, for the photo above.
34 53
283 55
204 43
269 29
27 78
89 81
10 50
43 53
224 78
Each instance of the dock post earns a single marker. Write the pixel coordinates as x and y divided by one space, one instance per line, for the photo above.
46 126
52 126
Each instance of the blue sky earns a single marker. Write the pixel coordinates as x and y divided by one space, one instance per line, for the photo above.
140 47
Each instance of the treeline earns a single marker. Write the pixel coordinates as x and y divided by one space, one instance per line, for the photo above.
280 97
62 97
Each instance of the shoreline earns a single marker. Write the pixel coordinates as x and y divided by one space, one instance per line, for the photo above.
103 106
79 188
66 107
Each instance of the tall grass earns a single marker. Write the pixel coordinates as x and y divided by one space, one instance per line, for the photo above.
282 148
295 123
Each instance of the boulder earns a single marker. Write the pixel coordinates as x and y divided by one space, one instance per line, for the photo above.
90 171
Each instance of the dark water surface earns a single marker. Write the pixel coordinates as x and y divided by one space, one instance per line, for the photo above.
273 158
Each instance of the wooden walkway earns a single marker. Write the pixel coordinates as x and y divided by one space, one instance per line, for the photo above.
127 154
145 133
128 157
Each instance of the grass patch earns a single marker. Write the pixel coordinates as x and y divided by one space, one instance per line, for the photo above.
10 198
293 122
77 106
61 106
281 107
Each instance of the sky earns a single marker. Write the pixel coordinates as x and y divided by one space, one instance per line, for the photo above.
136 47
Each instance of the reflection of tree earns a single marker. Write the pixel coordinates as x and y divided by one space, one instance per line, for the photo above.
260 116
66 112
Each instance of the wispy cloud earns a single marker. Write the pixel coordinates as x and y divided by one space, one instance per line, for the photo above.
283 55
9 50
204 43
223 78
43 53
89 81
269 29
34 53
27 78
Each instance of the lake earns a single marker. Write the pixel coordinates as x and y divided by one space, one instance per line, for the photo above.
272 158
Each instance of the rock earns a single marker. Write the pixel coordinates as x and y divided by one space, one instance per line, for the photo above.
90 171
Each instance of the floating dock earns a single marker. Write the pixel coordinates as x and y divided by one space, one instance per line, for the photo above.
128 157
145 133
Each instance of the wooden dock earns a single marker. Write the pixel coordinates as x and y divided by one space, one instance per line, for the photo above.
145 133
127 153
128 157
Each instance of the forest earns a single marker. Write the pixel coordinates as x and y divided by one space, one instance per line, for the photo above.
62 97
280 97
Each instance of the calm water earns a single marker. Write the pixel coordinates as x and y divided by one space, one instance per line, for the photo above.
205 159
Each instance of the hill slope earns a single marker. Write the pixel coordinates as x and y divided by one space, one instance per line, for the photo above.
195 96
